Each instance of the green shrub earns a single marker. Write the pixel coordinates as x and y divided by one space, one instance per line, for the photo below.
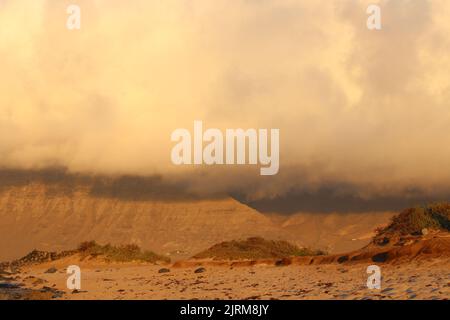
413 220
255 248
124 253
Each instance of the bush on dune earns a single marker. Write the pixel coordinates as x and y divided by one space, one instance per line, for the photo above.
414 220
255 248
123 253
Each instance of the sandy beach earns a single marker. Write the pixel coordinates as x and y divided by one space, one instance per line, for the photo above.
417 280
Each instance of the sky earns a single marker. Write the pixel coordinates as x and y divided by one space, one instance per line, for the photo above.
362 114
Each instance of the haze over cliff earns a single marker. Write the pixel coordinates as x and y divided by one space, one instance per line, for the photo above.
106 98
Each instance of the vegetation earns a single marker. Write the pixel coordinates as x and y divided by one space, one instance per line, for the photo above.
255 248
124 253
414 220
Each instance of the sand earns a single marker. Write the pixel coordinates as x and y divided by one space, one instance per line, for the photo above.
414 280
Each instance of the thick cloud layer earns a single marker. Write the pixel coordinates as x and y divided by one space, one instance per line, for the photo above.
363 113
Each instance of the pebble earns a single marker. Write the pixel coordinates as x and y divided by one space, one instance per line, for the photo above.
200 270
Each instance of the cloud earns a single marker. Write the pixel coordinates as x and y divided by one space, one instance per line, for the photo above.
356 108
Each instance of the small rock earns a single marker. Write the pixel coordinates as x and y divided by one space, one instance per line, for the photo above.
8 286
45 288
382 242
39 281
200 270
252 298
283 262
51 270
380 257
163 270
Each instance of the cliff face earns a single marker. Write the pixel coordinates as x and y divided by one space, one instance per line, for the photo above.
55 211
54 217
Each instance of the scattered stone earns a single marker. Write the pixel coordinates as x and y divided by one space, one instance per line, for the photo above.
383 241
39 281
8 286
199 270
163 270
253 298
326 284
51 270
380 257
283 262
45 288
